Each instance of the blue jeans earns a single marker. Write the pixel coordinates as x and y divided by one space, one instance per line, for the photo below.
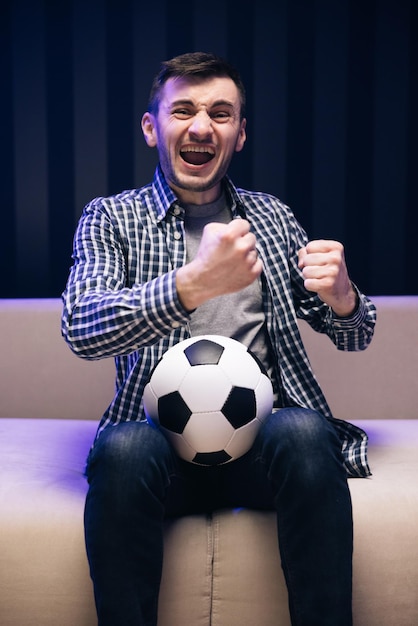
294 467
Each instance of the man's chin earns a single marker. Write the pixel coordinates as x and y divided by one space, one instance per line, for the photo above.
196 183
196 191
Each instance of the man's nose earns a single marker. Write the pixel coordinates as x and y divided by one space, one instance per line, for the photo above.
201 124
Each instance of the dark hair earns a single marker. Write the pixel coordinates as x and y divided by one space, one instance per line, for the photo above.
199 65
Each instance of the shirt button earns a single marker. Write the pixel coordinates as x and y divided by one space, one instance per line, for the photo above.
175 324
177 235
176 210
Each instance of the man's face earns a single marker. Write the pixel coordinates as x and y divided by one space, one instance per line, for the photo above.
196 131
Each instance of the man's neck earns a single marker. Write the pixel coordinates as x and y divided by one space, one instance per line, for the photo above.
187 196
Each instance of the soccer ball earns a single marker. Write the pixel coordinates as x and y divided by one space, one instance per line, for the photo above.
209 395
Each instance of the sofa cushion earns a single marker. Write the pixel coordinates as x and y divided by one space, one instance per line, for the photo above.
44 574
386 526
385 510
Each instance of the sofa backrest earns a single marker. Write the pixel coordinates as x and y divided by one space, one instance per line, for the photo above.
381 381
40 377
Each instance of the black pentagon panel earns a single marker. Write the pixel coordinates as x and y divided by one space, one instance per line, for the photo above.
204 352
173 412
240 406
212 458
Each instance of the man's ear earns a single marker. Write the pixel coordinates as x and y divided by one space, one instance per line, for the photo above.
149 130
242 136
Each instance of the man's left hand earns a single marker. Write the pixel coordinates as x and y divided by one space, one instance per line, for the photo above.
325 272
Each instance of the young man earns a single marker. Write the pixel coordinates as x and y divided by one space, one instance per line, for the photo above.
155 265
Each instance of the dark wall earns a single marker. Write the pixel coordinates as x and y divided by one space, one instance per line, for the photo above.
332 120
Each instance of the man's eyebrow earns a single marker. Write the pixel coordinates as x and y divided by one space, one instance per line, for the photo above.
223 103
185 101
177 103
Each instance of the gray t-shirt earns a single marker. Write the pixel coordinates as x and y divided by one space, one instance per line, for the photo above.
237 315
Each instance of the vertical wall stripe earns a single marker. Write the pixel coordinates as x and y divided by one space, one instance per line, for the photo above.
330 118
119 66
60 129
32 166
269 123
149 25
359 132
210 28
300 109
411 218
180 28
240 52
8 252
90 105
390 137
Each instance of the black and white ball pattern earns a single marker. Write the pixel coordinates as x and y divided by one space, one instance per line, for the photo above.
209 395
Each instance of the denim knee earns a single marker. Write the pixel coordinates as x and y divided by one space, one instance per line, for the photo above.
302 441
127 450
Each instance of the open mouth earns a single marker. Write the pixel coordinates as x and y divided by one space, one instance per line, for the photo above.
197 155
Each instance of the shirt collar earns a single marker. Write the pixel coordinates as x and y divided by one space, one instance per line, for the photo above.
165 198
236 205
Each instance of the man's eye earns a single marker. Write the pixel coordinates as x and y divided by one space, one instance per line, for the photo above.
221 116
182 113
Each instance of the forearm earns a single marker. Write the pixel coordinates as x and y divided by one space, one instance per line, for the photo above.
99 323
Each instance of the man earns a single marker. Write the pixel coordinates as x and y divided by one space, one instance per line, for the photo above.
191 254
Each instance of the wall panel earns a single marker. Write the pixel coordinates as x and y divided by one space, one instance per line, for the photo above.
332 120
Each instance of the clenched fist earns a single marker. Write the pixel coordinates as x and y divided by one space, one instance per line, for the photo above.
226 262
325 272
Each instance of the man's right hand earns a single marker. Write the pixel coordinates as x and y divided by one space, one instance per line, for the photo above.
226 261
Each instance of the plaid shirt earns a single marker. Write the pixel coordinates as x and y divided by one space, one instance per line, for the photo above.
121 300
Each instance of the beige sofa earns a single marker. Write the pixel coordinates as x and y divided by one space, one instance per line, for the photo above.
222 570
